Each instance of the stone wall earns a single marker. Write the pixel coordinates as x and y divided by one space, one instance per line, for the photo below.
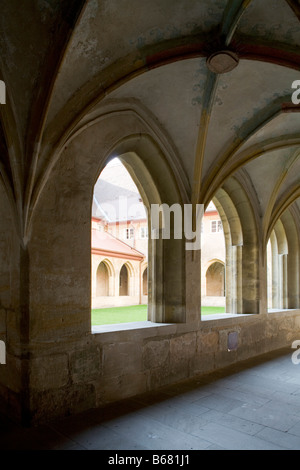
113 365
55 365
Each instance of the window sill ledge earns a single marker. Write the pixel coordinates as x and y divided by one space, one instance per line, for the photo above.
221 316
127 326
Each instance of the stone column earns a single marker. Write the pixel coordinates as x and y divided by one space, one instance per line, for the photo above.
263 277
193 286
117 282
284 281
293 280
234 280
228 279
239 283
250 279
111 285
233 273
155 283
275 275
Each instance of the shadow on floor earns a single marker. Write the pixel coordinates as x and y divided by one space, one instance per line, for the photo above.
253 405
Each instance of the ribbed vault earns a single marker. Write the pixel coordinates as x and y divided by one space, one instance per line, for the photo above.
81 57
195 97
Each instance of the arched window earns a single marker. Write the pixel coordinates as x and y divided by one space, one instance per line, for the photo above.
283 264
145 282
117 214
124 281
110 240
213 258
102 286
241 257
215 280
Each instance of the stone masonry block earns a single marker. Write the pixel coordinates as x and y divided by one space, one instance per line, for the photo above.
122 358
207 341
85 364
155 353
182 350
49 372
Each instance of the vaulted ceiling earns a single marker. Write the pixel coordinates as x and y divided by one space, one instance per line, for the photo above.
215 76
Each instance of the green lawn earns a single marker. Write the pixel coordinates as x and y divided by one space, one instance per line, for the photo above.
211 310
108 316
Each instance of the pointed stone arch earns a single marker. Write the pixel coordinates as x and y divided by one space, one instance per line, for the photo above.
145 156
124 279
242 248
284 261
145 281
215 278
104 278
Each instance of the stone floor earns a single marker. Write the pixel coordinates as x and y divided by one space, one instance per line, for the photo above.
251 406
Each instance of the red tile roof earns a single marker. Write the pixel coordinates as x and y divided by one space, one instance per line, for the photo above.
108 245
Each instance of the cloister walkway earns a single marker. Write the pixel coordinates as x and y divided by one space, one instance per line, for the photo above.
254 405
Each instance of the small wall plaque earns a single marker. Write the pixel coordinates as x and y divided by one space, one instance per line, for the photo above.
232 343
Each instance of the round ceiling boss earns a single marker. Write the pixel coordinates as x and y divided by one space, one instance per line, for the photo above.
222 61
